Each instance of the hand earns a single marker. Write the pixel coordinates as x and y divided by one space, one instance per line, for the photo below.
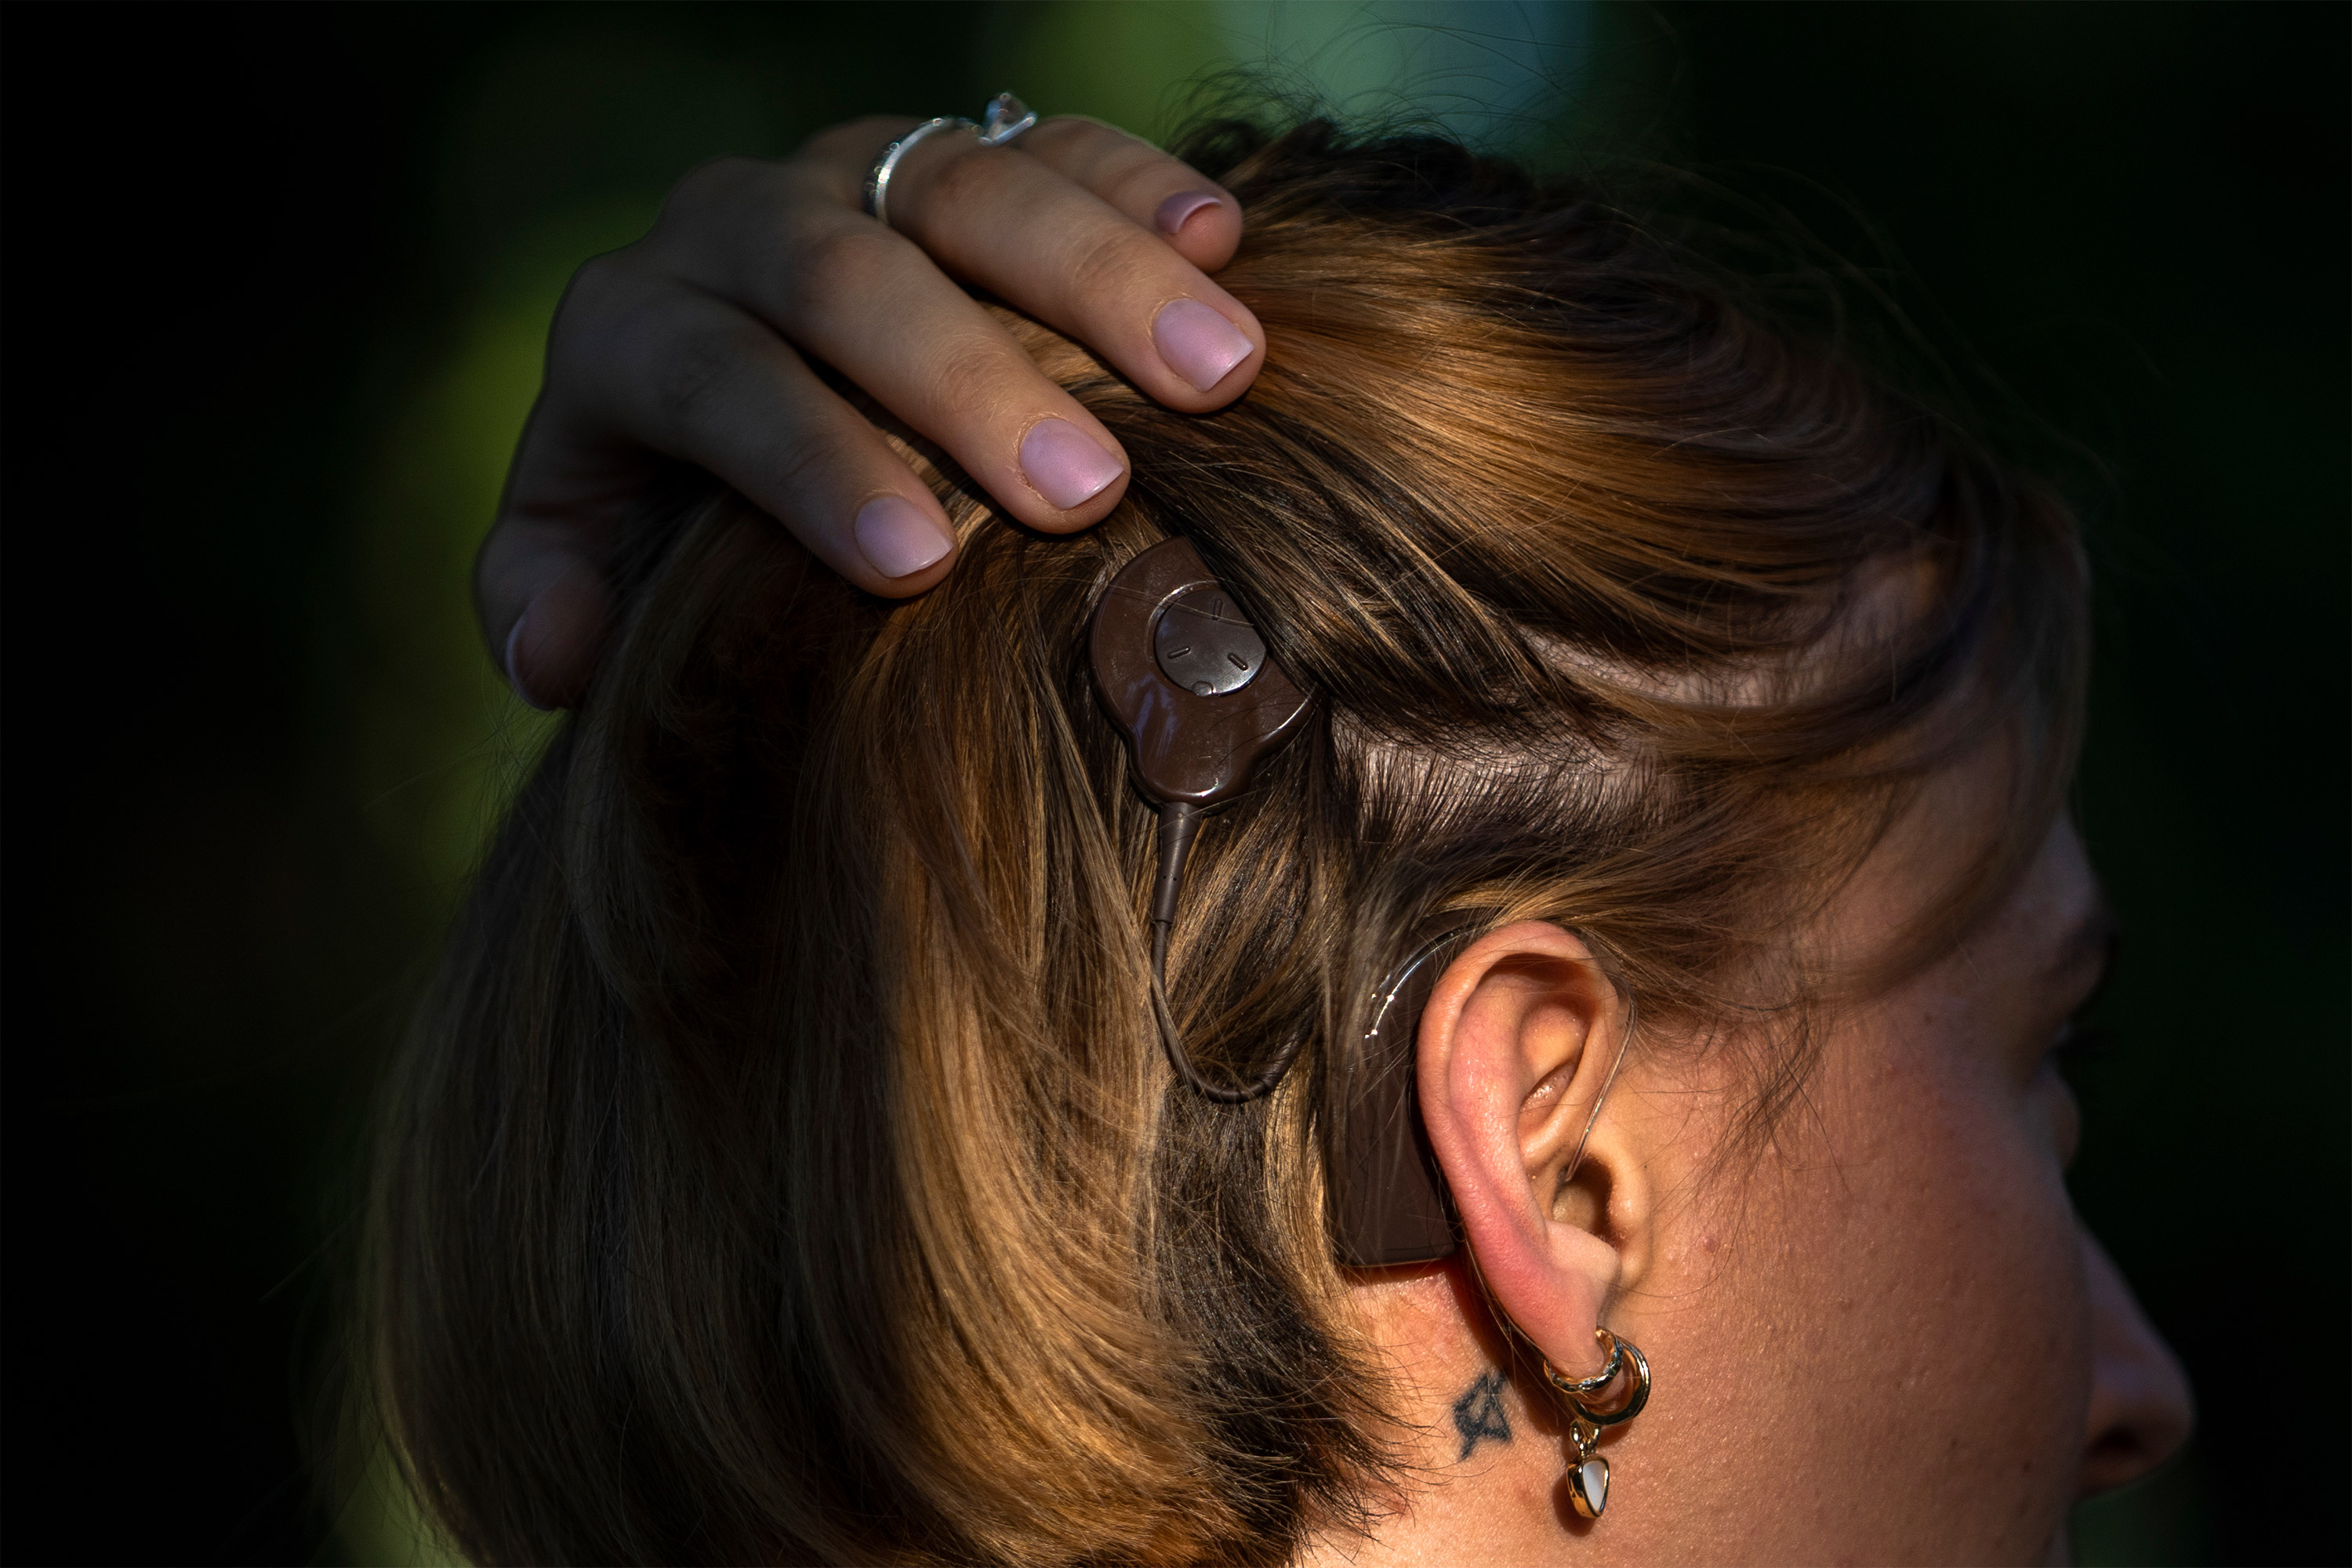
689 346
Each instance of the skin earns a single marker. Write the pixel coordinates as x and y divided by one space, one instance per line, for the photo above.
1885 1339
694 346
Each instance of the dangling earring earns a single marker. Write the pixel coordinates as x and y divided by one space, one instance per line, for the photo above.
1588 1479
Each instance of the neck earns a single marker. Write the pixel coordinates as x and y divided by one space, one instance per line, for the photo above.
1485 1459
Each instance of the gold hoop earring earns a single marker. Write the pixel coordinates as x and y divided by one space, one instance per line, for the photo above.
1588 1479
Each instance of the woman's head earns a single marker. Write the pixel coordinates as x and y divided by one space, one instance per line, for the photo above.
788 1169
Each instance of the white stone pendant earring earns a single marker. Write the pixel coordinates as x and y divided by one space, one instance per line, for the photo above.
1588 1478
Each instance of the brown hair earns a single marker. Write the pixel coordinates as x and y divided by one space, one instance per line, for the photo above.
786 1167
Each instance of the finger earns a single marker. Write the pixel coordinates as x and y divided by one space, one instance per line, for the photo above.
1193 212
1042 243
1009 223
692 378
539 579
699 380
874 307
553 606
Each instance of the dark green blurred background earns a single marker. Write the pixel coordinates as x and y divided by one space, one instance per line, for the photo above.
274 285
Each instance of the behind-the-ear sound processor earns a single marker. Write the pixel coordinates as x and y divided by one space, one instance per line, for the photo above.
1182 672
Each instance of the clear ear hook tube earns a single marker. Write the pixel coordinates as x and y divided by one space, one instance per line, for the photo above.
1624 1044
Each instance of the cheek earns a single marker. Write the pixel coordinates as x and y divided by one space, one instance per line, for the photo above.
1918 1292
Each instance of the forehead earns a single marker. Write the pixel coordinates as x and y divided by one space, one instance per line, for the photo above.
2051 912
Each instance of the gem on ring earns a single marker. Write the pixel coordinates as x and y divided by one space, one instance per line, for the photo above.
1006 117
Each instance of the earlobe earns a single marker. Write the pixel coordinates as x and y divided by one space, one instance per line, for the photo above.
1520 1039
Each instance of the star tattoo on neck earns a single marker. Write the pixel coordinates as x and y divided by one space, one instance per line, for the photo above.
1478 1413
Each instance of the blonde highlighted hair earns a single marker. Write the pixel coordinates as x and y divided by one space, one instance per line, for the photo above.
785 1167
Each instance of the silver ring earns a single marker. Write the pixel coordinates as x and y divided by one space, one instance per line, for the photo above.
877 178
1005 118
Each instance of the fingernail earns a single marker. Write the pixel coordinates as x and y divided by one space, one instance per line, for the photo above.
514 677
1198 343
1178 208
897 536
1063 463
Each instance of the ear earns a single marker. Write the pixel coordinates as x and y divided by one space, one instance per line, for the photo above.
1520 1038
